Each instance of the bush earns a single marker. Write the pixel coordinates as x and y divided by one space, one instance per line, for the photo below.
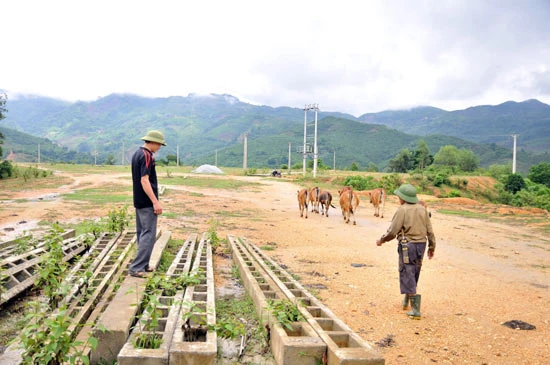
6 169
391 182
360 182
533 195
540 174
441 178
514 183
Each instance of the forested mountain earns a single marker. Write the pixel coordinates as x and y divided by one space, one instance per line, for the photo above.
209 127
23 147
530 120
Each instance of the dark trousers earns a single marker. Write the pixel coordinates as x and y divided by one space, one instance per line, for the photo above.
146 229
410 273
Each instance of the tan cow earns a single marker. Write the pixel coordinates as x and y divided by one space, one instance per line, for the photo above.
378 199
314 198
302 201
349 201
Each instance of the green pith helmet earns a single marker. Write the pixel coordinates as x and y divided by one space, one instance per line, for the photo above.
407 192
155 136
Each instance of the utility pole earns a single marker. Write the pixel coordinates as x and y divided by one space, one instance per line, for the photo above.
306 150
334 160
123 153
216 158
514 155
315 152
178 155
39 153
245 151
289 149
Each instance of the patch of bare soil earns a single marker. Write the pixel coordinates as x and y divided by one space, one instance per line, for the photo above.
485 271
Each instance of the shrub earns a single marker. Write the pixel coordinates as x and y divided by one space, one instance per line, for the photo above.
454 194
540 174
514 183
6 169
441 178
359 182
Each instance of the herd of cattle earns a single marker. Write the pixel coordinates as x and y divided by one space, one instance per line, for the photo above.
349 201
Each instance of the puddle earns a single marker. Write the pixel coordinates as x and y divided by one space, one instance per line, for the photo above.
14 230
46 197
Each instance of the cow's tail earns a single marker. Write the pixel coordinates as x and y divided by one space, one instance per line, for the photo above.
351 200
332 205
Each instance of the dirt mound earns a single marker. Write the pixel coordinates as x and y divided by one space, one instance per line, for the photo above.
460 201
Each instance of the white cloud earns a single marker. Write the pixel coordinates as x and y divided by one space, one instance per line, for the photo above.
349 56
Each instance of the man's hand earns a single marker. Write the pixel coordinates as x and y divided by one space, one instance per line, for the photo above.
157 208
430 254
378 242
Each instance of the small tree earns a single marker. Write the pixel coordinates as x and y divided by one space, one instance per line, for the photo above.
467 160
422 157
110 160
447 156
320 164
540 174
3 110
403 162
6 168
514 183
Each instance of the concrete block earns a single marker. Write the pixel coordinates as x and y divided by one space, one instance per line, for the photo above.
113 326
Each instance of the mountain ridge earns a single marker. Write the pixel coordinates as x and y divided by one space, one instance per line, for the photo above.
199 126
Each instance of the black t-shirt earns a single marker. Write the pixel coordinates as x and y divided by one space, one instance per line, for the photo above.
143 163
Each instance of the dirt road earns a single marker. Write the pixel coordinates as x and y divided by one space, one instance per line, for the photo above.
490 265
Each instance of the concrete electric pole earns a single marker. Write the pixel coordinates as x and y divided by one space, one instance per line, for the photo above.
514 155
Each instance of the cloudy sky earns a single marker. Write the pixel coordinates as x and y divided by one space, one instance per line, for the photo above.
349 56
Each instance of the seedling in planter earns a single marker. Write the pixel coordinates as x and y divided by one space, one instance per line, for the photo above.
194 321
52 267
285 311
147 336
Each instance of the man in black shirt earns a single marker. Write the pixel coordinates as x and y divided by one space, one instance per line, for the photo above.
148 207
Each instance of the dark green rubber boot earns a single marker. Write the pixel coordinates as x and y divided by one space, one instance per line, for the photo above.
406 302
415 304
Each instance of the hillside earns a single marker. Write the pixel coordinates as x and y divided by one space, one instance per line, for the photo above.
201 128
482 124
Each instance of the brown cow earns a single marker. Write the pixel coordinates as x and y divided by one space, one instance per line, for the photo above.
314 199
349 201
378 198
302 201
325 200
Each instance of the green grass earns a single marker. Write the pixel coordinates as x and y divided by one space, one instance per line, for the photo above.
102 196
205 182
170 215
464 214
86 169
225 213
18 184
